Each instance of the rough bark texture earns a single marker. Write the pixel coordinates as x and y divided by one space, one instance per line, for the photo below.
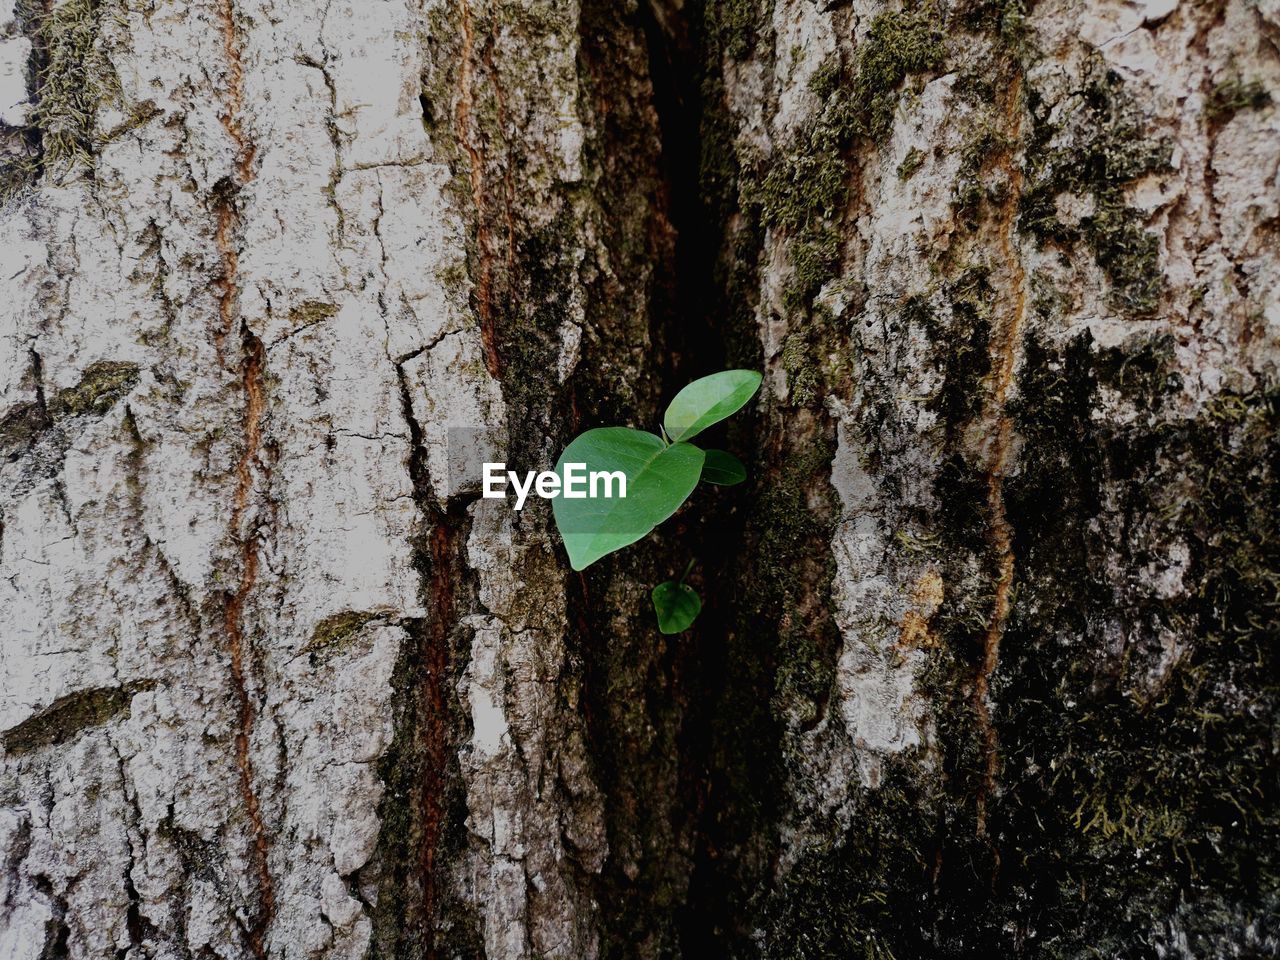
988 664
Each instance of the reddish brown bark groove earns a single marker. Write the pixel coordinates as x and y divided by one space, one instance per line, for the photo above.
429 719
254 407
233 102
1004 356
230 266
435 730
508 166
484 241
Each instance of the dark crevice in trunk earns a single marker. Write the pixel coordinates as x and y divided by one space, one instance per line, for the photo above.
651 700
709 529
652 99
423 810
644 705
674 36
57 932
766 641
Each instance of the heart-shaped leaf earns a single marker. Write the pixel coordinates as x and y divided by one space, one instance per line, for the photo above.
722 468
659 479
677 606
707 401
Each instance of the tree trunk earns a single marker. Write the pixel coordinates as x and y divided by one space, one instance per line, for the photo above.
988 655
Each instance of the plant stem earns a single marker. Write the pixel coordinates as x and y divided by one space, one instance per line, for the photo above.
688 567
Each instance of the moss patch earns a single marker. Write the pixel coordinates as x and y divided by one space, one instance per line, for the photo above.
966 362
731 26
21 425
312 311
860 899
1005 19
794 579
1234 95
103 384
65 718
73 78
1097 151
899 43
331 632
1140 748
910 163
1138 784
76 79
805 192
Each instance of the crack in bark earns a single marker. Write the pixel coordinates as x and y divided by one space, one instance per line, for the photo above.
436 735
139 927
1004 350
253 390
238 643
421 777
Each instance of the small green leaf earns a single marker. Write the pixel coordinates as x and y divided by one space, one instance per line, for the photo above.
723 468
709 400
659 479
677 606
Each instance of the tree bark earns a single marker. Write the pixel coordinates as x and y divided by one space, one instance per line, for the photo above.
988 654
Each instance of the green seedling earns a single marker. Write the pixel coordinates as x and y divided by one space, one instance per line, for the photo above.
661 472
676 603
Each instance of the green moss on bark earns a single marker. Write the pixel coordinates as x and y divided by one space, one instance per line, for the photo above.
1095 153
101 386
860 899
1236 94
71 715
898 44
72 78
76 79
335 630
910 164
1140 776
732 26
805 192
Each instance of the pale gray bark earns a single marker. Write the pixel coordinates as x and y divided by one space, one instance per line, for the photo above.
237 331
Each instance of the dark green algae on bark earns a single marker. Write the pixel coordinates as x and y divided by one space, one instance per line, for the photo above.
1134 809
